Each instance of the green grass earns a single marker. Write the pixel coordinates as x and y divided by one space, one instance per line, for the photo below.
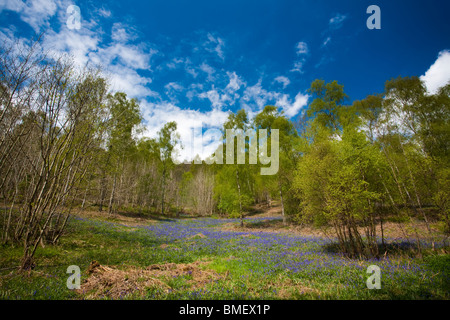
252 267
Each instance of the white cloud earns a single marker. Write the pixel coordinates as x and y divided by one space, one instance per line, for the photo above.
218 99
122 33
208 69
221 97
191 71
129 81
217 45
78 44
173 86
298 66
284 80
157 114
337 21
12 5
256 94
193 90
301 48
235 82
438 74
105 13
36 13
175 63
291 109
172 90
171 65
119 60
129 55
185 63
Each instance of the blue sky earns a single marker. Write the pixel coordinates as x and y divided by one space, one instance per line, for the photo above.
193 61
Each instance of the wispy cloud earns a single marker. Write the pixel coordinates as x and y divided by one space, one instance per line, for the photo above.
337 21
224 97
284 80
235 82
105 13
173 89
178 62
215 44
218 100
208 70
298 66
324 60
301 49
123 33
257 95
326 41
131 82
36 13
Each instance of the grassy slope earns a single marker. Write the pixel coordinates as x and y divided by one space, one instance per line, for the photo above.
253 265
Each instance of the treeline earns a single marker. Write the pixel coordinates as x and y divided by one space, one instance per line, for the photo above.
67 142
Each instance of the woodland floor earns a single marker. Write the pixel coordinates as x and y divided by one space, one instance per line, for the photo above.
130 256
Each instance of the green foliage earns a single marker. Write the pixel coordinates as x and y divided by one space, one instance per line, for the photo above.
327 108
226 192
386 151
125 116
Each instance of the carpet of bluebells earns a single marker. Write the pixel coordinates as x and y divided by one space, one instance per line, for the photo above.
264 256
258 265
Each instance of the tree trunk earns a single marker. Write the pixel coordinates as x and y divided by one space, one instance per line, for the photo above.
102 192
163 189
282 205
111 199
85 195
240 200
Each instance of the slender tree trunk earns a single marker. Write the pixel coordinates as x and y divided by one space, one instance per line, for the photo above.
382 232
163 189
240 200
102 192
418 198
85 195
111 199
400 186
282 205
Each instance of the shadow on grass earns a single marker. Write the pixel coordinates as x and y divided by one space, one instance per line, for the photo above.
254 211
404 249
145 216
264 224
